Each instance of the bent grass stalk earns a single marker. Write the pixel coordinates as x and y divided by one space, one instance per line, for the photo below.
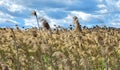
16 47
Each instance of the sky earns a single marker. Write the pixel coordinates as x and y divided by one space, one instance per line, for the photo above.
60 12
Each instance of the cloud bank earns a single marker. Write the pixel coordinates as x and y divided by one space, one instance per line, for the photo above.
57 12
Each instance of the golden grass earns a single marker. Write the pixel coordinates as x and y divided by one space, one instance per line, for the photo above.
38 50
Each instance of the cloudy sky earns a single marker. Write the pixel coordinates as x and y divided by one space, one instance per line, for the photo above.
60 12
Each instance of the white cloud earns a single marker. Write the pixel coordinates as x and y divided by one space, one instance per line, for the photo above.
5 15
113 5
68 2
101 6
12 21
118 4
8 21
6 18
15 8
65 21
18 6
102 11
81 15
116 23
100 0
11 6
30 22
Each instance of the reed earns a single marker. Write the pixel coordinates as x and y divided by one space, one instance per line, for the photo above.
85 49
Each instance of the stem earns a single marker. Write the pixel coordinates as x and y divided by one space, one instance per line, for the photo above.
38 22
106 62
16 47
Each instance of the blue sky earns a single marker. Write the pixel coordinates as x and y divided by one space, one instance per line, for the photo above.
60 12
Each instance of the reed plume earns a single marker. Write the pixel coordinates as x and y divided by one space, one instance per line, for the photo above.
77 24
45 24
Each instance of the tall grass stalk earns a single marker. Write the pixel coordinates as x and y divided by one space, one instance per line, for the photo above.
16 47
35 14
106 63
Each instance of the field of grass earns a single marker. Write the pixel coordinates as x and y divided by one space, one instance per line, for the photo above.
60 49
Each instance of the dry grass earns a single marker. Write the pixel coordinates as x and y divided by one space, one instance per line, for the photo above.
91 49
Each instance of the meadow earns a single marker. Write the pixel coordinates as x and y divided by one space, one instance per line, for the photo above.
96 48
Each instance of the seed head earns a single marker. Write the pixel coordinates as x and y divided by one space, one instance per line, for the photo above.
74 18
34 13
45 24
77 24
